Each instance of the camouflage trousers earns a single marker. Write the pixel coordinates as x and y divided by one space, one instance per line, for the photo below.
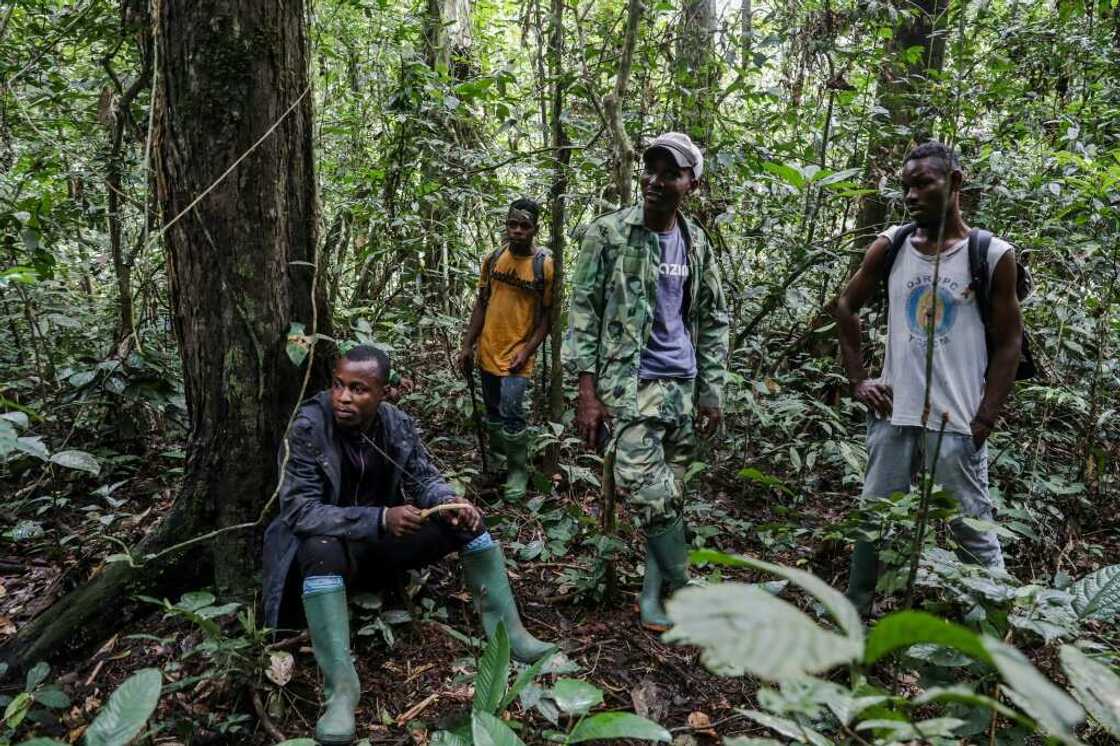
652 450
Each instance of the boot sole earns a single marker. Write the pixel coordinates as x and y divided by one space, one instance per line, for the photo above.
650 626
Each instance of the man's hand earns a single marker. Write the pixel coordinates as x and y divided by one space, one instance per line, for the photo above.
709 419
590 415
876 395
467 516
518 361
981 429
402 520
466 360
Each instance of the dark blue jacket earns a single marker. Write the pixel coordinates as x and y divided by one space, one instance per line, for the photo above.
311 482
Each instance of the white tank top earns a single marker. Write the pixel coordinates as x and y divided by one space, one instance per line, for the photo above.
960 353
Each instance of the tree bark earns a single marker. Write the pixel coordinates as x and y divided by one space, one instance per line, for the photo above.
238 263
613 105
696 70
557 198
901 94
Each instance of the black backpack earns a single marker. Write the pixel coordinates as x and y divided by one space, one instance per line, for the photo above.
978 242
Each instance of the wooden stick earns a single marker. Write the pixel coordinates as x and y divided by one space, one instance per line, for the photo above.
424 514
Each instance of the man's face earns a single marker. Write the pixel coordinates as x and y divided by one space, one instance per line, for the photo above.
520 229
927 189
356 391
664 183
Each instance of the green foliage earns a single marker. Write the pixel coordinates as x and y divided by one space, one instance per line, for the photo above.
573 697
726 620
123 717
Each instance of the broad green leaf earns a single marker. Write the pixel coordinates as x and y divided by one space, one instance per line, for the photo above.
1096 686
128 709
523 679
298 344
17 709
576 697
493 672
19 419
743 629
77 460
610 725
488 730
788 728
33 445
789 174
9 437
441 738
1097 596
833 600
298 742
964 695
901 730
749 741
195 600
37 675
1054 710
905 628
52 697
43 742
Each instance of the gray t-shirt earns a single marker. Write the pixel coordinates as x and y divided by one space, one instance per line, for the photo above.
670 353
960 352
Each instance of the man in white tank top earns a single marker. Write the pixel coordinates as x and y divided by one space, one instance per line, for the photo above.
930 290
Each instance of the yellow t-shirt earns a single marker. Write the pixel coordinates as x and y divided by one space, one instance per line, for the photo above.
511 310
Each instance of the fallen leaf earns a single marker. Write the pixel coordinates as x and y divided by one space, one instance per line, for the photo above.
280 666
701 723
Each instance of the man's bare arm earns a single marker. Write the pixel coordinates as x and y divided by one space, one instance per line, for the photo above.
1007 341
527 350
859 290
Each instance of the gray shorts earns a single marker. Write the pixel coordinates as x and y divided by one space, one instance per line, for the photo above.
893 454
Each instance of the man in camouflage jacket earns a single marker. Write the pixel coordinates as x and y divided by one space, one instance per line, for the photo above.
648 340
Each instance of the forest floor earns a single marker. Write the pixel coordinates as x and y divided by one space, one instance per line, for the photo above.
416 669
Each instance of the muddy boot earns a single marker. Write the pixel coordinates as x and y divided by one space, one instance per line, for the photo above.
517 457
495 449
862 576
670 547
329 625
485 573
650 608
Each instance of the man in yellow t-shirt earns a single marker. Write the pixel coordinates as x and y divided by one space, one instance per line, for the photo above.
509 321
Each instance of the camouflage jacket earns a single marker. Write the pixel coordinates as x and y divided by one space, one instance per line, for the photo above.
614 293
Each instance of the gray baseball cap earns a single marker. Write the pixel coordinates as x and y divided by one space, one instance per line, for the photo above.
681 148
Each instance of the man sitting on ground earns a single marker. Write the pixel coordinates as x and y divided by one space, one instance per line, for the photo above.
350 460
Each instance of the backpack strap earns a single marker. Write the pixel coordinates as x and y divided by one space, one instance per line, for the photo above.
539 258
488 264
978 242
899 240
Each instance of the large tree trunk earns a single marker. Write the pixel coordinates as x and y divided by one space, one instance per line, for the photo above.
239 266
557 198
696 70
903 94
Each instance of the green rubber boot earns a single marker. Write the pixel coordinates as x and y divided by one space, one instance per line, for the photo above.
863 574
485 573
650 608
670 547
329 625
517 457
496 448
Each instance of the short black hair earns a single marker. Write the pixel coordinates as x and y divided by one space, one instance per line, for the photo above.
529 206
937 151
365 353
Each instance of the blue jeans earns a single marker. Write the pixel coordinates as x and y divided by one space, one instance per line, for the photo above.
893 454
504 397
